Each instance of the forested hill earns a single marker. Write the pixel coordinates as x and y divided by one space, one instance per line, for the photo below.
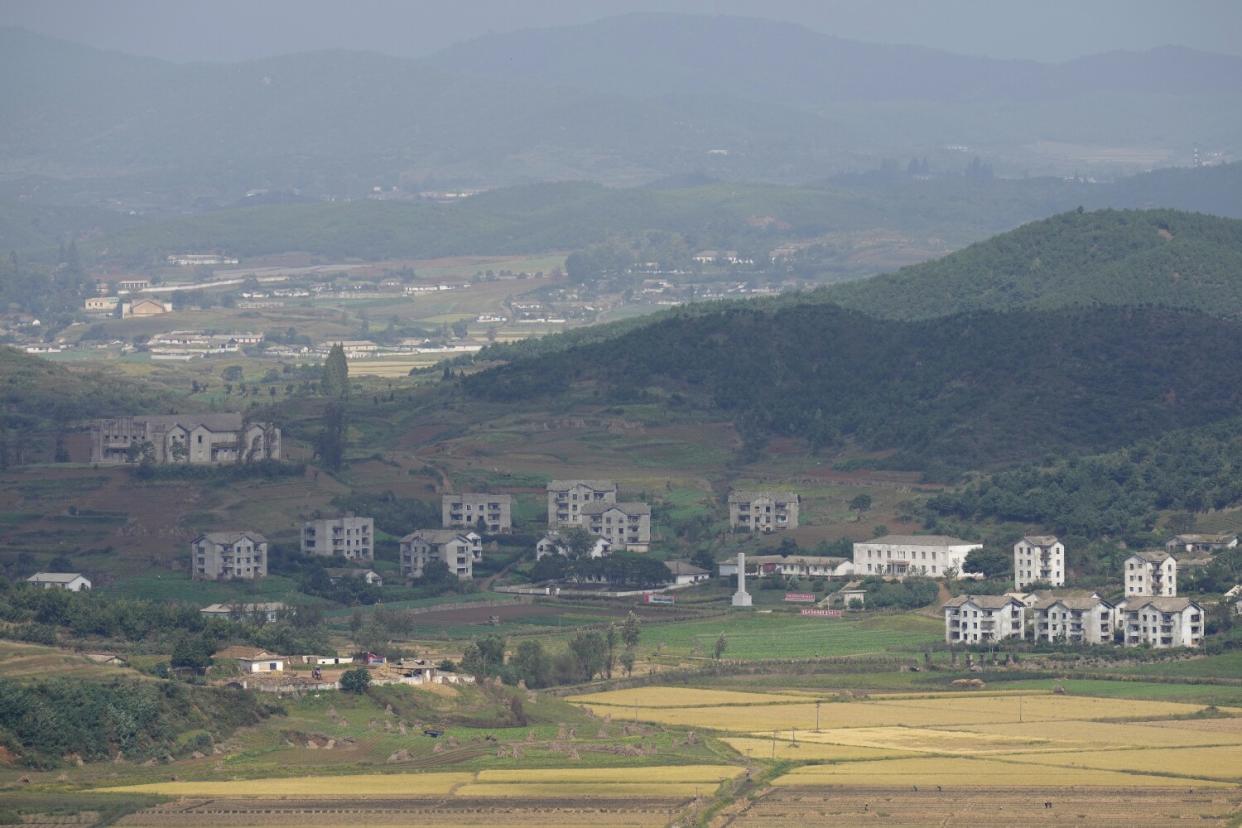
1110 257
968 391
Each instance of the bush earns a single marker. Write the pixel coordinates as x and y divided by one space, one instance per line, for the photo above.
356 681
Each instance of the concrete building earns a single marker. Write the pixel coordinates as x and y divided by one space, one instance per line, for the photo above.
625 525
1200 544
554 543
763 511
197 439
267 611
459 550
253 660
220 556
1162 621
465 510
567 497
899 556
1073 618
347 537
1153 572
102 304
71 581
144 307
1038 559
977 619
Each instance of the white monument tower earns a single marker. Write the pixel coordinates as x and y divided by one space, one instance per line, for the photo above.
741 598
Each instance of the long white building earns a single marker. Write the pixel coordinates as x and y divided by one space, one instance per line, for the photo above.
899 556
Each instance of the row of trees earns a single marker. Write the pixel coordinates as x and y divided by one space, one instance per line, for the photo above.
588 654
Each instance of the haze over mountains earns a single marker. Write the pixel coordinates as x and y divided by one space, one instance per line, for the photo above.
623 100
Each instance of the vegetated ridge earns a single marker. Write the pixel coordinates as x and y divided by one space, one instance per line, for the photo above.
969 391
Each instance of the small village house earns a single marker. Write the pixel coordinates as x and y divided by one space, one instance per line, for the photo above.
253 660
368 576
268 611
71 581
1200 544
686 573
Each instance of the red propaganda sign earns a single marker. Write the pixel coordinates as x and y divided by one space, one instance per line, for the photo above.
822 613
657 598
799 598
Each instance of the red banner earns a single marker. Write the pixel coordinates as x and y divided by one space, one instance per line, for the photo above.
799 597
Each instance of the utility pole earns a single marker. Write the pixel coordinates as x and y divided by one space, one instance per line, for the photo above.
817 703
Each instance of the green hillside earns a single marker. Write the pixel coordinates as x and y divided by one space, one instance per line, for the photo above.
1109 257
968 391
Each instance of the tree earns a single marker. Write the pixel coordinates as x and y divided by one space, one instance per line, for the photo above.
335 380
232 373
579 543
627 661
331 442
484 657
356 681
630 631
610 638
530 664
192 653
992 561
722 644
588 652
860 504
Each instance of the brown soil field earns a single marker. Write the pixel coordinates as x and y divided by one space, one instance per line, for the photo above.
1000 807
241 813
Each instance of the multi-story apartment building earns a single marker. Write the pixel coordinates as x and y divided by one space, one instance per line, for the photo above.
899 556
346 537
220 556
1038 559
1163 622
625 525
977 619
1153 572
1073 618
567 497
468 509
459 550
763 511
200 439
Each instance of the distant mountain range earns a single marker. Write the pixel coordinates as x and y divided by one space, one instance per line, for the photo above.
623 101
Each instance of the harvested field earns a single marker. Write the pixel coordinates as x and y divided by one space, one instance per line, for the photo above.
1173 733
588 790
261 813
925 740
682 697
991 808
609 776
806 750
972 773
320 787
1201 762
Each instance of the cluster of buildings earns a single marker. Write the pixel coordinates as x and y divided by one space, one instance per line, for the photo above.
187 345
197 439
1150 613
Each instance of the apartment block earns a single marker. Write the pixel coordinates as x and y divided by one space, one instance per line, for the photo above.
567 497
976 619
1038 559
346 537
221 556
763 511
474 510
1161 621
459 550
1073 618
1153 572
626 526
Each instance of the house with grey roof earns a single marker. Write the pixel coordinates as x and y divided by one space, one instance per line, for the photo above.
222 556
978 619
626 526
1038 559
900 556
1073 617
71 581
197 439
1200 544
458 549
1163 621
763 511
567 497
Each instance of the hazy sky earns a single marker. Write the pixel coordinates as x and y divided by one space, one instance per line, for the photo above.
238 29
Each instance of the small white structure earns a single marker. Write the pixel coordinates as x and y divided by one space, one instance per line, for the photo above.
900 556
252 660
369 576
1162 621
553 543
1038 559
1073 618
1153 572
687 573
976 619
741 598
72 581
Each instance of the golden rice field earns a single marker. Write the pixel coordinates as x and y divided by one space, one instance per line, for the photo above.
1222 762
1085 735
682 697
961 772
806 750
926 740
662 781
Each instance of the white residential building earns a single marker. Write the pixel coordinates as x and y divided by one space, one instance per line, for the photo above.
977 619
1038 559
567 497
1153 572
347 537
220 556
465 510
625 525
763 511
554 543
1073 618
899 556
459 550
71 581
1161 621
